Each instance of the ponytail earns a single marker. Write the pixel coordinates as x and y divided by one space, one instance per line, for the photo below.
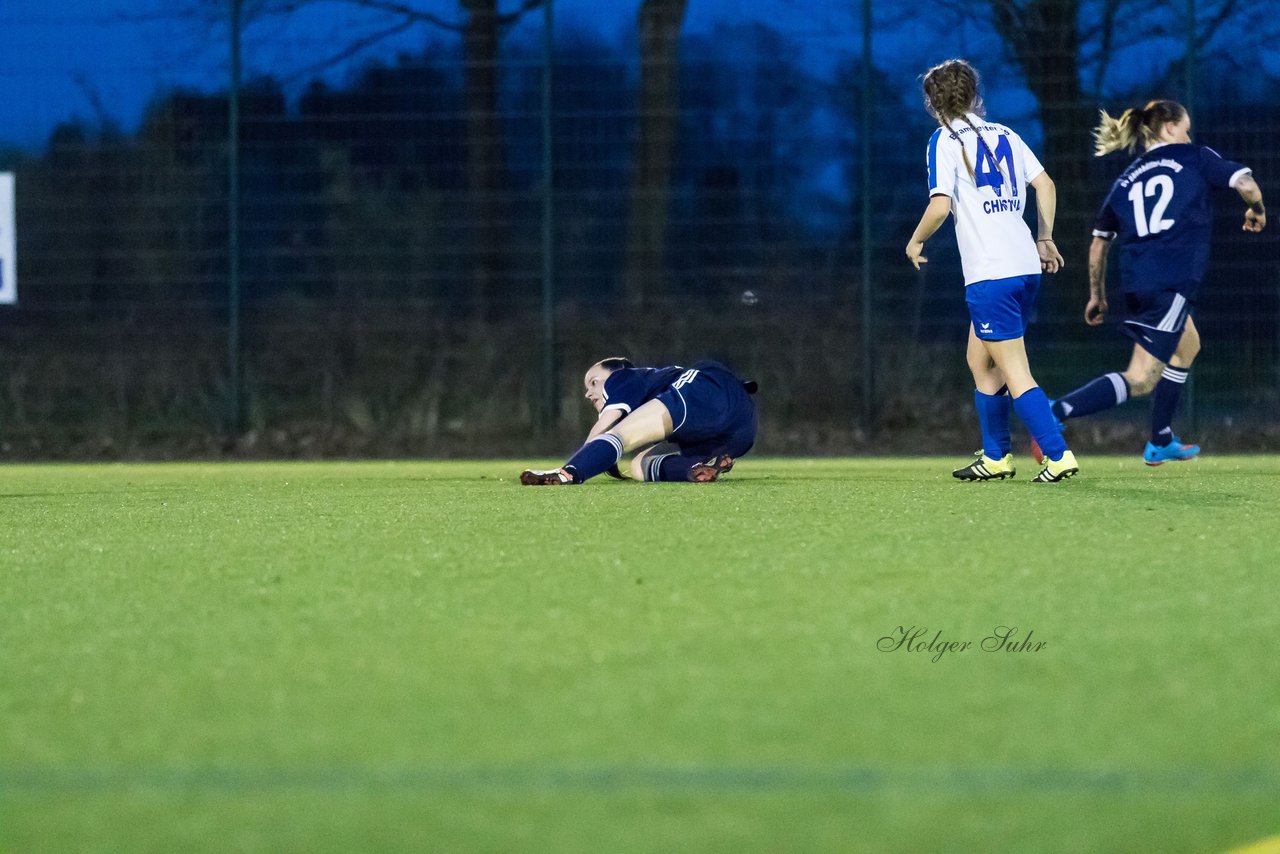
1135 125
1114 134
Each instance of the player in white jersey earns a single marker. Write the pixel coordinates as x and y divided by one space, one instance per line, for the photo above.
979 172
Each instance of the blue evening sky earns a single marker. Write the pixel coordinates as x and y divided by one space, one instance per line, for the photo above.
95 59
87 58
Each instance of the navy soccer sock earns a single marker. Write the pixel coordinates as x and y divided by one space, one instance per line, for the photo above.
1033 408
993 417
668 468
1164 402
1096 395
595 457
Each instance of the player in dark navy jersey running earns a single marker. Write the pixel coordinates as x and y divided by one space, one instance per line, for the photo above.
1158 211
685 424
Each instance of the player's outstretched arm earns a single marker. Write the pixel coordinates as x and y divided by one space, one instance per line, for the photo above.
1096 311
932 219
1051 260
1255 216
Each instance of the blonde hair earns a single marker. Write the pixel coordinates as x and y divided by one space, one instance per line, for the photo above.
1134 126
950 94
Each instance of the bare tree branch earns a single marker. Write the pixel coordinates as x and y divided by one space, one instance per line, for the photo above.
409 13
356 47
418 15
1106 38
1205 35
211 11
525 7
94 97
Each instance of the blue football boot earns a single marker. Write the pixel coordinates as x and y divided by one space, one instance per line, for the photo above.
1175 451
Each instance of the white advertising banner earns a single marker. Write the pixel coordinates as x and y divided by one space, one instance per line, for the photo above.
8 246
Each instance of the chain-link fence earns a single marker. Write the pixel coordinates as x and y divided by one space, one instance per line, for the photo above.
426 219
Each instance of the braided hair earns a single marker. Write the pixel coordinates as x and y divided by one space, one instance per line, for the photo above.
1135 125
950 94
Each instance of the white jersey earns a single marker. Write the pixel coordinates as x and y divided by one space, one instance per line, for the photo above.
987 203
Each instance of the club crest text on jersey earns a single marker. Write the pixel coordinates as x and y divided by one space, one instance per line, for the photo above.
986 176
1163 163
1159 213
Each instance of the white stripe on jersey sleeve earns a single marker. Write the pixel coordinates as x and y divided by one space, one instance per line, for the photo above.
945 152
621 407
1238 175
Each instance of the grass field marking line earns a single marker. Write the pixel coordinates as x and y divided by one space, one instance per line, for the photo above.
608 778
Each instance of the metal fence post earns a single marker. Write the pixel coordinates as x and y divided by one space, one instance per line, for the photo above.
234 373
868 350
1189 96
550 395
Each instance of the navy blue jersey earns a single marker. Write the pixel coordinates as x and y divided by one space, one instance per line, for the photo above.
1159 209
627 388
711 408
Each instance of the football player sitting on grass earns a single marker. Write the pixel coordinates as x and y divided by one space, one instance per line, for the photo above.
685 424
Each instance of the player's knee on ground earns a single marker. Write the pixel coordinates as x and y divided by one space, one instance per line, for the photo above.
668 467
637 467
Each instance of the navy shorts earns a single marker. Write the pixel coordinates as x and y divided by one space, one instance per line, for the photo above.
999 308
1155 320
711 412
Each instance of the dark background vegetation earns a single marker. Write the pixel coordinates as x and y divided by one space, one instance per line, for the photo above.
708 200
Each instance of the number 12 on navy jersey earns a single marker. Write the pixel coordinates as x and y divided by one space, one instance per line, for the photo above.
1156 184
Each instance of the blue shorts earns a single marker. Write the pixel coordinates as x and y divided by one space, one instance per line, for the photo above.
711 412
999 308
1155 320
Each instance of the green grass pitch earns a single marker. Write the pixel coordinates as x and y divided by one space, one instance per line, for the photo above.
426 656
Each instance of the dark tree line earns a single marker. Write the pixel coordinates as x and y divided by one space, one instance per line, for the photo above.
392 227
368 190
421 177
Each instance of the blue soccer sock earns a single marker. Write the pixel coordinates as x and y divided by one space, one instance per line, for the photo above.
1033 409
1164 402
1096 395
993 418
595 457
